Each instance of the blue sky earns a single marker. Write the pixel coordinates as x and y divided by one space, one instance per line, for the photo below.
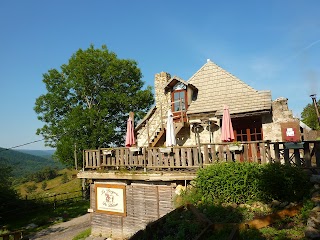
270 45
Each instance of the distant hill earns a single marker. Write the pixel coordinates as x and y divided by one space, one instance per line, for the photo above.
23 163
40 153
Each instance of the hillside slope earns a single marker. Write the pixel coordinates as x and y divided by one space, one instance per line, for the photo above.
23 164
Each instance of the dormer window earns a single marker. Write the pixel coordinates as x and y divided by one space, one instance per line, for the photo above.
179 97
182 93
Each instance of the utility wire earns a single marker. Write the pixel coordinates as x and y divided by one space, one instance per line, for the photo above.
6 149
21 145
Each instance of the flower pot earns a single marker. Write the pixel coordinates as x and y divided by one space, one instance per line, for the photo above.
134 149
235 147
165 150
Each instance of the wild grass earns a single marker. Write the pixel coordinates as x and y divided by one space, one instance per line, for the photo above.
39 206
83 235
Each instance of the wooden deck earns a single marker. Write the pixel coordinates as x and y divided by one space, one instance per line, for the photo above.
305 154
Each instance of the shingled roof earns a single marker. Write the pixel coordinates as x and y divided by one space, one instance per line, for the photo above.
174 80
217 87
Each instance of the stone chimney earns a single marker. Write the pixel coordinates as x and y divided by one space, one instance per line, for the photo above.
162 99
280 110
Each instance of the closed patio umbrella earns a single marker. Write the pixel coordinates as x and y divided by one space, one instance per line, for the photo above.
130 133
170 137
227 134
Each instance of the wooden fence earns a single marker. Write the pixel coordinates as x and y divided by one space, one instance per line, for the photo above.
304 154
12 235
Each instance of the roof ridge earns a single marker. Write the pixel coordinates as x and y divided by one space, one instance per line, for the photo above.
216 86
207 63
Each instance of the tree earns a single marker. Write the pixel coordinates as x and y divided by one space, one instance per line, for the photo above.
8 194
31 188
309 116
44 185
64 178
88 101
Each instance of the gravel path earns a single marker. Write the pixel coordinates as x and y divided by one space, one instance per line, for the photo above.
65 230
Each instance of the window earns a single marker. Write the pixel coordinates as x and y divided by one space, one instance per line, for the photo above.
179 100
247 129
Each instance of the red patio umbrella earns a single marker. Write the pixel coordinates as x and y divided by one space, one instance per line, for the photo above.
130 133
227 134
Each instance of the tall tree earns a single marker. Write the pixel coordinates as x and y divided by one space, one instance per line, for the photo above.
309 116
88 101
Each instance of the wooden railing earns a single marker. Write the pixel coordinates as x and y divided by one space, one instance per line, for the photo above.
305 154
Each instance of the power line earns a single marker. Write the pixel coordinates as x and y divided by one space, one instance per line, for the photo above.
6 149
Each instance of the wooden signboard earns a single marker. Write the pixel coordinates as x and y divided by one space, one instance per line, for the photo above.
290 132
111 199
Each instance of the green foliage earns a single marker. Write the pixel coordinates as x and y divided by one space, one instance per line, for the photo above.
190 196
64 178
23 164
43 214
83 235
309 116
308 205
88 101
44 185
31 188
7 193
283 182
229 182
247 182
44 174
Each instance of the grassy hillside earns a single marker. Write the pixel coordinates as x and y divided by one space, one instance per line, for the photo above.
23 164
54 186
60 200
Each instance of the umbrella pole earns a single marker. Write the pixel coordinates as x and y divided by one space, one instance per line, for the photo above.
197 127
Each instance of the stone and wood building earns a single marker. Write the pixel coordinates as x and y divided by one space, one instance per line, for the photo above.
130 187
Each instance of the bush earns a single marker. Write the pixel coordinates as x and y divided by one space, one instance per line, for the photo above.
44 185
283 183
229 182
42 175
248 182
31 188
64 178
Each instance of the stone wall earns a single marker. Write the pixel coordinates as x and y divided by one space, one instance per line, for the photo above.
271 125
162 99
163 103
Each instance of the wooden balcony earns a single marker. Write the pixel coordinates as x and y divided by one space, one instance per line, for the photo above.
305 154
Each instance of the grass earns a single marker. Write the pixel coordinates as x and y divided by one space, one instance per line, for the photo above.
54 186
83 235
43 212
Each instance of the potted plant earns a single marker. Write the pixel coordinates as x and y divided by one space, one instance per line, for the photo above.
235 146
107 151
165 149
134 149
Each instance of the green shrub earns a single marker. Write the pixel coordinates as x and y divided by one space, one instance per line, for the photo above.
283 182
190 196
44 185
229 182
31 188
83 235
236 182
64 178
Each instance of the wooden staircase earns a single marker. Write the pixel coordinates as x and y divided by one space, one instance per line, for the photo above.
159 134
